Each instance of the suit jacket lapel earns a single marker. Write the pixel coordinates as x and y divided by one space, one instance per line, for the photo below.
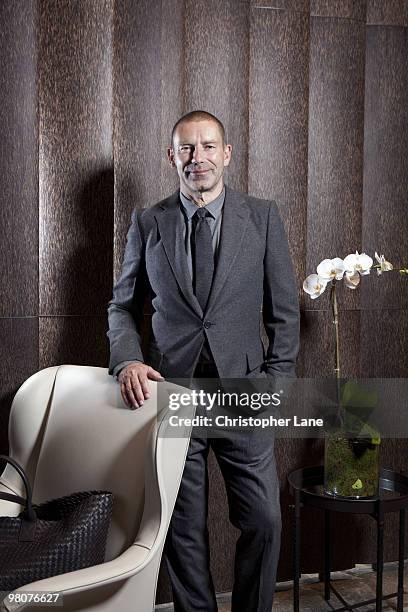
234 222
170 224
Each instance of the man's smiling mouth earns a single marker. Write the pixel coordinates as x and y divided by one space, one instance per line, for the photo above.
196 172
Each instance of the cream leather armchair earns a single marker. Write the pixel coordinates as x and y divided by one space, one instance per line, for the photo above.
71 431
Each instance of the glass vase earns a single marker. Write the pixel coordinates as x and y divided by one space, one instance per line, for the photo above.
351 466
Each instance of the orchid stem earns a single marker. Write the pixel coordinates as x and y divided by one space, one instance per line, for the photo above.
333 299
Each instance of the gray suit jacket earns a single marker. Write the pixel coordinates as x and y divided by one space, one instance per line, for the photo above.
253 279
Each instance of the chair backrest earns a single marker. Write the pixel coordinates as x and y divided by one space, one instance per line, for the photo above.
70 428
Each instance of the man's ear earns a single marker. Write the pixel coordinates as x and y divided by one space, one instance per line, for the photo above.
227 154
170 157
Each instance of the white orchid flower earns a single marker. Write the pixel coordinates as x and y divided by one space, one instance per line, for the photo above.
331 269
358 262
314 285
385 266
351 279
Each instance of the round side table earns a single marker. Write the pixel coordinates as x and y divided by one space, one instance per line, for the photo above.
306 485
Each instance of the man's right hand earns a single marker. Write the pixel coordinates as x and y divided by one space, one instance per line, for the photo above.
134 386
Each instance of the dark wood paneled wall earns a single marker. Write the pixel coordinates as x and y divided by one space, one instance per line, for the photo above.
75 178
314 97
18 199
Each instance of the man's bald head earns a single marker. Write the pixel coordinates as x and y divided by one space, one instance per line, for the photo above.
199 115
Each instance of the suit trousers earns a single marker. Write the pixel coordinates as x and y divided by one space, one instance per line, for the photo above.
247 463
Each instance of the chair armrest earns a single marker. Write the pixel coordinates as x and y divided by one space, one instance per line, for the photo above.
129 563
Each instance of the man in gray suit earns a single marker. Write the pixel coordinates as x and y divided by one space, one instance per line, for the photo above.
215 263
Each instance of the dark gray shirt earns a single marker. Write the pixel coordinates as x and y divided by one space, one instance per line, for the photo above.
187 210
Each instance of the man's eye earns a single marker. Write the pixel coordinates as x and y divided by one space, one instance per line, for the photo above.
210 147
185 149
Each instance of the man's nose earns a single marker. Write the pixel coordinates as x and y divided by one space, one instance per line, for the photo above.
197 155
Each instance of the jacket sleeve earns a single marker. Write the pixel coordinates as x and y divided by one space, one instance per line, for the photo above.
125 308
280 304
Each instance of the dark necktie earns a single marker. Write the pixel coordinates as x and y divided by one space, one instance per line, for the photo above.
203 257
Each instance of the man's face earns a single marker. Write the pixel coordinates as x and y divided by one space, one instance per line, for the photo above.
199 155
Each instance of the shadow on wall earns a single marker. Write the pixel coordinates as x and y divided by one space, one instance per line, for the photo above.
5 402
78 334
129 193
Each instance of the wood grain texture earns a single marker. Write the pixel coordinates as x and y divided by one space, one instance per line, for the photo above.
345 9
391 12
148 69
19 158
18 361
383 343
336 133
384 214
76 164
278 124
75 340
172 82
316 358
215 53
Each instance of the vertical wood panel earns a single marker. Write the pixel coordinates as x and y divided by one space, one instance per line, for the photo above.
385 228
316 358
384 335
216 72
18 158
19 360
76 173
18 201
278 109
172 82
74 340
336 131
148 69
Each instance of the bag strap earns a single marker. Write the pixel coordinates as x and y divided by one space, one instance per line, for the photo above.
13 498
27 502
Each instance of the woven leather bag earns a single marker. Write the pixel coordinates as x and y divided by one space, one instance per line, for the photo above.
52 538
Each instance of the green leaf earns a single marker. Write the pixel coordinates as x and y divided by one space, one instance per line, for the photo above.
357 485
353 395
358 404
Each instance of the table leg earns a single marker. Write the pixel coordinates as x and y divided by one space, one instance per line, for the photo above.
327 555
296 551
400 599
380 557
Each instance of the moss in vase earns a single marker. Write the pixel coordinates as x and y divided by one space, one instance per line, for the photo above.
351 466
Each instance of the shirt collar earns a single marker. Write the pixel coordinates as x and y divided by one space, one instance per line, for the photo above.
213 207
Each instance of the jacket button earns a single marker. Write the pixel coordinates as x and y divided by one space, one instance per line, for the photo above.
207 324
